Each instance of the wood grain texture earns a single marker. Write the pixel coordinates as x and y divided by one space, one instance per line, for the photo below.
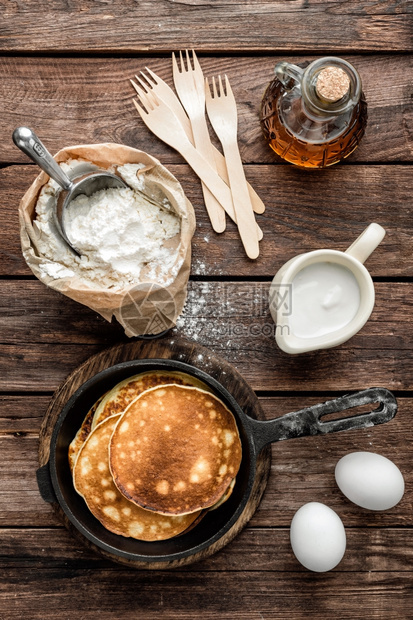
89 100
21 415
305 212
245 595
45 366
46 336
78 99
120 26
228 315
267 549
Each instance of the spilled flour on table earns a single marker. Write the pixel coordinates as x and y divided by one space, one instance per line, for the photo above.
228 315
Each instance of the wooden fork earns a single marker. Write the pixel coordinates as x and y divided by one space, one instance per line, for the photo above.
160 119
189 84
153 82
150 100
222 112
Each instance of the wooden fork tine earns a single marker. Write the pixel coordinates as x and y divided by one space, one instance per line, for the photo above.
156 79
228 88
141 111
179 67
197 73
175 68
149 99
141 82
195 60
153 75
153 98
221 88
145 103
144 80
214 86
188 61
183 70
136 87
207 88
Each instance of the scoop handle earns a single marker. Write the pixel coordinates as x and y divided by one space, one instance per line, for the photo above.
26 140
308 421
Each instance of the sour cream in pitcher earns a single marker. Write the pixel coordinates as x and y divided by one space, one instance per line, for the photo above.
325 298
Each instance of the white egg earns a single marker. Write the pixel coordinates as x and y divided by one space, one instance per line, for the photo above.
370 480
317 537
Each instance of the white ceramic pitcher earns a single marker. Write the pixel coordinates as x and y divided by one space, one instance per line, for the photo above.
352 259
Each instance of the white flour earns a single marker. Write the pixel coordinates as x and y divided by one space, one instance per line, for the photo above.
121 236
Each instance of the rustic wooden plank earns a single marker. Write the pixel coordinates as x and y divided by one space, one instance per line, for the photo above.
376 572
302 471
254 26
90 100
30 309
304 212
44 342
247 595
20 498
233 315
43 367
21 414
368 549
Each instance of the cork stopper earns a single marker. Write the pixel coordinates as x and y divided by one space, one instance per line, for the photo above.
332 84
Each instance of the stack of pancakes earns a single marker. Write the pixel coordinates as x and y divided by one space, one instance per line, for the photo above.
154 454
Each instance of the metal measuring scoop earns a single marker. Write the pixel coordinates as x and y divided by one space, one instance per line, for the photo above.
27 141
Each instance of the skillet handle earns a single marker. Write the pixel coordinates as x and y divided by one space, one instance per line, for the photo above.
308 421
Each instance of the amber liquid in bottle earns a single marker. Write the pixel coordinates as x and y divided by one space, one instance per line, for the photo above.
316 150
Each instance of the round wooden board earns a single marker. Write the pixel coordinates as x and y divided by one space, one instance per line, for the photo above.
183 350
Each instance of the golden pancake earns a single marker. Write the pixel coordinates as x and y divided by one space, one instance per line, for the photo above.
186 450
117 399
82 434
226 495
93 481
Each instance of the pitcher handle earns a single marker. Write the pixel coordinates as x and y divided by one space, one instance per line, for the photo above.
285 72
366 243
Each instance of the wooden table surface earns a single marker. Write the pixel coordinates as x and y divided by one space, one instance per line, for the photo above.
64 71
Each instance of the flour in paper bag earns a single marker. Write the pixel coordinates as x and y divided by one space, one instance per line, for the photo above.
123 239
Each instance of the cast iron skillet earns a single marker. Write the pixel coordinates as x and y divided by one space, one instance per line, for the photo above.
55 480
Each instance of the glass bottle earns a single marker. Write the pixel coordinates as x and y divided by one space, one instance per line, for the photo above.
314 115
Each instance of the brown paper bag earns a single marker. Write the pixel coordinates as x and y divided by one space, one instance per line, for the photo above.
144 309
